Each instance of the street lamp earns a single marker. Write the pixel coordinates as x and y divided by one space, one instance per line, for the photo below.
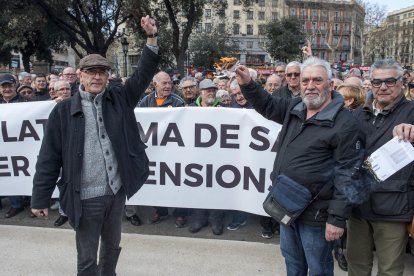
125 44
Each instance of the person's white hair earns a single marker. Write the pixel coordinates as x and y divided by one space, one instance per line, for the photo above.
314 61
234 84
59 83
253 74
292 64
222 93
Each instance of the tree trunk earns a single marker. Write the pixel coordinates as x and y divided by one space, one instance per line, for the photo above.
26 62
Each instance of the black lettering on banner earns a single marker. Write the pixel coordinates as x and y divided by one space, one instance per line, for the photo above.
255 133
5 166
227 136
175 177
5 134
198 128
189 172
42 122
231 184
152 131
151 172
172 128
24 165
209 175
258 183
28 131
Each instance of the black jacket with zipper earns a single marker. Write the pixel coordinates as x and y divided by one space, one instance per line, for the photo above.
321 150
392 199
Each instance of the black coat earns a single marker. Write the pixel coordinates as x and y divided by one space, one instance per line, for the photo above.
63 142
322 150
392 199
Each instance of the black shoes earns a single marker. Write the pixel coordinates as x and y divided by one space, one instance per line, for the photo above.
217 229
196 227
134 220
13 211
61 220
342 262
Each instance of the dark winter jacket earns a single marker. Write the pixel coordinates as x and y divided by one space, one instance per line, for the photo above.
321 150
40 95
63 142
392 199
283 92
172 100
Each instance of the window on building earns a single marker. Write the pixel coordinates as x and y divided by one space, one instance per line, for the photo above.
207 13
236 29
336 15
274 3
236 14
208 28
274 16
236 2
222 28
250 29
249 14
314 26
346 27
261 15
199 28
336 27
314 13
262 3
325 14
322 55
262 29
303 12
261 44
324 26
249 44
292 12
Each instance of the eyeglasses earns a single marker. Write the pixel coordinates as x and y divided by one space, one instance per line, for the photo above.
279 72
188 87
411 85
289 75
389 82
64 88
69 75
316 81
93 72
26 92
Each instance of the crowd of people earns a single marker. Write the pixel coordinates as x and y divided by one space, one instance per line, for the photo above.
315 147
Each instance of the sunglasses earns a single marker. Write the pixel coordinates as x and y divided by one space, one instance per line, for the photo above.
411 85
389 82
289 75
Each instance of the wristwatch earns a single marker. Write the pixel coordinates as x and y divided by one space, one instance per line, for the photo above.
152 35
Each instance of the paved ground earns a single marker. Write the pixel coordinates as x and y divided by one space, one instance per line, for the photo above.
34 247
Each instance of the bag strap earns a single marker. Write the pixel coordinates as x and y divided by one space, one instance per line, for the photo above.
324 189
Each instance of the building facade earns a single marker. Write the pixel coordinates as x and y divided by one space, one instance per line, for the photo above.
334 27
400 27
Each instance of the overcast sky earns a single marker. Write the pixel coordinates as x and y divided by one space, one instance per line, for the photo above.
393 5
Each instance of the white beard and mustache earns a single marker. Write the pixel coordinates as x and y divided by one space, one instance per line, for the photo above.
316 102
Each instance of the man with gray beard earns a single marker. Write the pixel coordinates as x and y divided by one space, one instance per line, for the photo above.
318 146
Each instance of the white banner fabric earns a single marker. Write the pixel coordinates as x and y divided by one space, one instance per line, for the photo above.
213 158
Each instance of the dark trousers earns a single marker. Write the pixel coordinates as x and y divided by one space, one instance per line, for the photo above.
101 219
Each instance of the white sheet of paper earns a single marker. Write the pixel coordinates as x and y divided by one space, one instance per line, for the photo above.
391 157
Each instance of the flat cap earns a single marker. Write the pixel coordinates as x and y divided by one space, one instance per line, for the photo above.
206 84
94 61
7 78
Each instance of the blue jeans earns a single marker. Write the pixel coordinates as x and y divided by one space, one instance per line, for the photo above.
16 201
101 218
305 247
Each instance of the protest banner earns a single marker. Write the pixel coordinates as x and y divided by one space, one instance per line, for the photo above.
214 158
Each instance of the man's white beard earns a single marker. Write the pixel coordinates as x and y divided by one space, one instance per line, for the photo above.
315 103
